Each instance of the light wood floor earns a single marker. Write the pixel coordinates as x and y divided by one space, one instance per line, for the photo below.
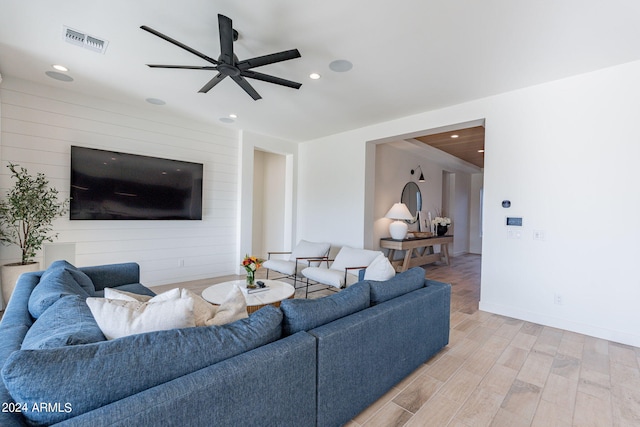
499 371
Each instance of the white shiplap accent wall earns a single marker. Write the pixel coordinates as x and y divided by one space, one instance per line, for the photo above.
40 124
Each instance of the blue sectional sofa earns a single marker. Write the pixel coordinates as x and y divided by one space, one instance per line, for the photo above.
309 362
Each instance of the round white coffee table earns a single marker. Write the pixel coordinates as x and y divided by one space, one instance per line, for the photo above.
277 292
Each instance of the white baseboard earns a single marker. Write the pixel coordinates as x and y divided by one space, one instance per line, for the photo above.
555 322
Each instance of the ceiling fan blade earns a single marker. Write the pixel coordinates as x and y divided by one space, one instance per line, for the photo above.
247 87
270 79
225 26
186 67
177 43
214 81
259 61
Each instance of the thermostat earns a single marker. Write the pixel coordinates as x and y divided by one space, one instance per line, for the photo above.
514 220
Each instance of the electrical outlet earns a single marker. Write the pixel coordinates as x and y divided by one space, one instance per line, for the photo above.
558 299
180 263
538 235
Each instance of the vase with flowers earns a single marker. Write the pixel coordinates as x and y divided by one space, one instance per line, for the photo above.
251 264
441 225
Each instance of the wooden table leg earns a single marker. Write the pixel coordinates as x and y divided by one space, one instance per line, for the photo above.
407 260
445 252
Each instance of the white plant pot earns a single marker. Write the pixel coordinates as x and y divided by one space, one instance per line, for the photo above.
9 275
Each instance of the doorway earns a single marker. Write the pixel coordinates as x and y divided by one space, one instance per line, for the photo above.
271 218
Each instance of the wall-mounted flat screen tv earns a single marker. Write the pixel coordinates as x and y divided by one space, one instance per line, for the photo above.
107 185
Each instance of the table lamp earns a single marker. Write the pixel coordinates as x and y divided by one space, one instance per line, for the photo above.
399 228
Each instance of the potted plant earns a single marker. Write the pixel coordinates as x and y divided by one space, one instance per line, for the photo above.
26 216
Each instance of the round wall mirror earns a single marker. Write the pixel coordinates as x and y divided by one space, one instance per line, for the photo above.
412 197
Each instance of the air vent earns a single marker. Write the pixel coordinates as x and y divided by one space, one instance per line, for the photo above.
79 38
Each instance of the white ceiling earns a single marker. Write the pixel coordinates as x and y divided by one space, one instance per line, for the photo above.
408 56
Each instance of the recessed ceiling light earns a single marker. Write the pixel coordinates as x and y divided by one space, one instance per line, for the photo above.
226 120
59 76
314 76
233 116
60 67
454 136
155 101
341 65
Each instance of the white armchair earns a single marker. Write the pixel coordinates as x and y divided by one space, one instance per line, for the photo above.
297 259
344 269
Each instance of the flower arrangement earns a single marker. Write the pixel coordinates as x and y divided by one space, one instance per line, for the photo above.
441 220
441 225
251 264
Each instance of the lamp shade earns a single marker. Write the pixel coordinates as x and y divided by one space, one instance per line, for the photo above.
399 211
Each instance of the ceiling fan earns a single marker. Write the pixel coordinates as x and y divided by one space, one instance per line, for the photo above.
227 64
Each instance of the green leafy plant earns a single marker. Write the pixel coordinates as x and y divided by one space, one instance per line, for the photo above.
27 212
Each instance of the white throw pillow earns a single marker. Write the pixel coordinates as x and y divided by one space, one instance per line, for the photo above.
233 308
111 293
120 318
351 257
203 310
380 269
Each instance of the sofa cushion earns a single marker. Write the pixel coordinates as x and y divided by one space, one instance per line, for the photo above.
119 318
54 284
94 375
67 322
79 276
402 283
304 314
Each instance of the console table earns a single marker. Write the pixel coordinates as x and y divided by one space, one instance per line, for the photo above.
418 250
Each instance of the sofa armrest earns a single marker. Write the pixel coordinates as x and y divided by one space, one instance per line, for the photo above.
112 275
15 324
363 355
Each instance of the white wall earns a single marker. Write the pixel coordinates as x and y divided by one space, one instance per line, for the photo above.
392 171
475 214
460 214
562 152
38 126
257 222
331 191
